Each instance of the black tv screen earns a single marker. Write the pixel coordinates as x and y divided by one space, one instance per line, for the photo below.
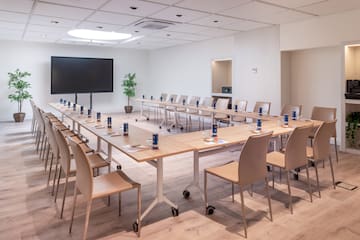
81 75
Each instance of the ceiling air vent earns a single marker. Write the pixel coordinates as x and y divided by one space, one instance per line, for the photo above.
154 24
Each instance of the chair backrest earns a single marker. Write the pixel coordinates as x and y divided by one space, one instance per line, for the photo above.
173 97
222 103
252 162
50 136
84 181
323 113
322 137
295 150
288 109
64 150
242 104
265 107
163 96
39 118
182 98
193 100
207 102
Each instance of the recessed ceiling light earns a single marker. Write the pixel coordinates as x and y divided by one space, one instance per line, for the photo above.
97 35
54 22
136 31
99 27
179 15
216 21
168 34
133 8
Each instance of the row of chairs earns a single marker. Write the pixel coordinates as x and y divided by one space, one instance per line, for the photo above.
71 156
254 159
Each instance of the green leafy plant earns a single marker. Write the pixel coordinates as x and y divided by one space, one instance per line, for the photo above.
129 85
353 120
20 86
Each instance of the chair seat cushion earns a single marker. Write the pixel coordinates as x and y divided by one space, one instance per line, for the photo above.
309 152
114 182
229 171
276 159
97 161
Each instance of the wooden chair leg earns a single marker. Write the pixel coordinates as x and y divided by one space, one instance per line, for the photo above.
119 203
336 150
268 196
57 184
308 180
50 169
205 191
139 211
332 172
64 196
317 178
232 192
54 179
73 208
289 189
243 211
87 217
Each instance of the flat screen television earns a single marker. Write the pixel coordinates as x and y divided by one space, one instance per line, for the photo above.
81 75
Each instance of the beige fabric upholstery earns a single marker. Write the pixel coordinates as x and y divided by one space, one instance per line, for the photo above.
288 109
265 107
242 104
221 104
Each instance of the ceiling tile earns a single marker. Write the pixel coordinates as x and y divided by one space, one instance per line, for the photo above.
13 17
244 25
124 6
113 18
93 4
181 36
212 6
292 3
214 21
137 31
47 29
99 26
61 11
253 11
52 21
178 14
186 28
42 36
10 34
23 6
331 7
167 2
286 17
216 32
12 26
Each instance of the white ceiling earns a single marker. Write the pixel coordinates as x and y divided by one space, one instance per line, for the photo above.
194 20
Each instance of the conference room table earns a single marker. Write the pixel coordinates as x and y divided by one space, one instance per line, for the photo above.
201 143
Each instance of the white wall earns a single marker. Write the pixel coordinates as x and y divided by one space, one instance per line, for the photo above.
187 69
316 79
35 58
323 31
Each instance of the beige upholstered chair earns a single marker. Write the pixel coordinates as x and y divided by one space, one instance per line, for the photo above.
293 157
98 187
321 148
288 109
67 163
265 107
222 104
325 114
242 104
191 112
206 103
250 169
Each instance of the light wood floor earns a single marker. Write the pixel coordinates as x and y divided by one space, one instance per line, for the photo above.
28 211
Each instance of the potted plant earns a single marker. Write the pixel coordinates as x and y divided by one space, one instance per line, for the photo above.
353 121
20 93
129 85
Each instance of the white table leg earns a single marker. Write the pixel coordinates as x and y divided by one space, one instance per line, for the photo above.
159 198
195 182
98 145
109 153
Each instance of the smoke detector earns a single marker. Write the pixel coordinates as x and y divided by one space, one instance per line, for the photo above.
154 24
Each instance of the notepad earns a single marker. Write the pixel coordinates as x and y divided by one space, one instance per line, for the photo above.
99 126
135 147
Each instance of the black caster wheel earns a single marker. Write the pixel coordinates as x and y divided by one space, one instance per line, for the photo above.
173 126
135 227
168 129
296 176
118 167
136 120
186 194
268 168
181 128
210 210
160 127
147 119
174 211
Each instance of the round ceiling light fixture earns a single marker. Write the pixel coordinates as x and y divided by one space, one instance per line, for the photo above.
98 35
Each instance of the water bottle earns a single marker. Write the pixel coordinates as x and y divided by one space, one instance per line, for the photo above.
61 100
152 98
197 103
69 104
236 108
143 96
74 107
64 102
161 98
81 110
286 120
89 113
294 117
109 122
155 141
171 100
126 129
183 101
258 124
98 116
214 130
214 105
260 111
